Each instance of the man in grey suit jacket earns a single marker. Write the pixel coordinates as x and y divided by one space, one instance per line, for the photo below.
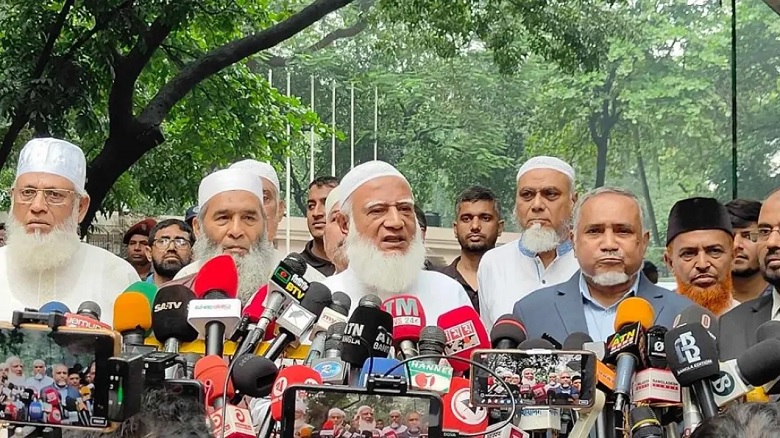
560 310
610 241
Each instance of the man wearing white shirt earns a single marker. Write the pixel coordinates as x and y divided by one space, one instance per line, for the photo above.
543 255
384 243
44 259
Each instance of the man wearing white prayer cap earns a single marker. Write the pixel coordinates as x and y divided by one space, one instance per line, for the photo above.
334 238
44 259
384 244
543 255
272 200
231 221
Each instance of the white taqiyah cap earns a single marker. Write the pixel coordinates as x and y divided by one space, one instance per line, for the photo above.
58 157
263 170
331 201
364 173
545 162
228 180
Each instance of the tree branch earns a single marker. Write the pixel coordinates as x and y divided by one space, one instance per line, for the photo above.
48 46
230 53
100 24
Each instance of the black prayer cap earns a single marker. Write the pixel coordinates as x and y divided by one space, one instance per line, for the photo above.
697 214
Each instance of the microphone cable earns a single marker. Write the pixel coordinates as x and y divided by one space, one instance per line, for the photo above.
497 427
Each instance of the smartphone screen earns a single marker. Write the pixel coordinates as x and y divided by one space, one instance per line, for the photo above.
54 377
332 411
536 378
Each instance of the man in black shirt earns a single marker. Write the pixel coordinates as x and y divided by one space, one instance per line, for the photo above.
314 253
477 226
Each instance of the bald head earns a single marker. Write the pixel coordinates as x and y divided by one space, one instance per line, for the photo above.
769 238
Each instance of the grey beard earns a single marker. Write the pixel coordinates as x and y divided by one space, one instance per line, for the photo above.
539 239
254 268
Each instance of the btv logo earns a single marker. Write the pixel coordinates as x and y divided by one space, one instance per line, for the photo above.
686 349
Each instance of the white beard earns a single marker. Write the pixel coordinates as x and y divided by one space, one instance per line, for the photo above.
384 274
254 268
39 252
607 279
365 425
539 239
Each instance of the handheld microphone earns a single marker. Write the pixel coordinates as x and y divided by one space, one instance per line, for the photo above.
216 309
292 375
756 367
149 290
251 315
336 312
254 375
768 330
132 317
212 372
433 341
298 318
656 350
507 333
330 367
465 333
694 363
408 320
576 340
169 317
428 374
90 309
368 332
698 315
54 307
626 348
644 423
459 413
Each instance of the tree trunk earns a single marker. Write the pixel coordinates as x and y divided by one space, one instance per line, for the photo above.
646 191
602 147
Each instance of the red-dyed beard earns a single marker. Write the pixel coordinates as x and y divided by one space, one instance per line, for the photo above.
716 298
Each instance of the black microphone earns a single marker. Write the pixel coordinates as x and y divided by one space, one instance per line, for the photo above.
331 368
575 340
368 333
693 359
89 309
507 333
656 349
336 312
768 330
432 341
169 317
254 375
317 298
644 423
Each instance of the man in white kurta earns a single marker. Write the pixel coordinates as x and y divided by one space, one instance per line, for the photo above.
44 259
543 255
384 244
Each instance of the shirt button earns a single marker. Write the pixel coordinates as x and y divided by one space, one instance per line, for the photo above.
544 281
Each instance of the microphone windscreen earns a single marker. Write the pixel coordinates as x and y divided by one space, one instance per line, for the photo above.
575 340
254 307
530 344
508 327
408 317
368 327
696 314
370 300
641 418
169 315
632 310
131 312
149 290
54 307
337 328
768 330
296 263
332 344
465 333
91 308
211 371
341 303
760 363
254 375
432 340
292 375
691 354
317 298
217 278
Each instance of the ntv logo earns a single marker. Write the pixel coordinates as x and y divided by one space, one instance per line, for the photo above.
686 349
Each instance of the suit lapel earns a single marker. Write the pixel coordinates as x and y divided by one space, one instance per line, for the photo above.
652 295
568 303
760 313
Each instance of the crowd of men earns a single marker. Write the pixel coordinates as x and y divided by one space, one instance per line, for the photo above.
577 257
339 424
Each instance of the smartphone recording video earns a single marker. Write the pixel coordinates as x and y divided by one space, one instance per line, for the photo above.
538 378
343 412
55 378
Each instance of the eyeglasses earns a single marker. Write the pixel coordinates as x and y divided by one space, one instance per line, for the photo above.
749 235
52 196
165 242
764 233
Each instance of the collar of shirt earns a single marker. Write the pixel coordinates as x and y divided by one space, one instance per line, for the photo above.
311 258
601 320
560 250
150 278
775 306
451 271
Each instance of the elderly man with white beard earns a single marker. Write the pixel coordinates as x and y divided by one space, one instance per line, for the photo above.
542 256
384 244
231 221
44 259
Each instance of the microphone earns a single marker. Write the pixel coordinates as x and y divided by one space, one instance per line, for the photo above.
212 372
149 290
368 333
605 376
292 375
656 350
576 340
408 320
656 384
465 333
756 367
330 367
132 317
90 309
694 363
254 375
54 307
217 309
644 423
298 318
507 333
459 414
169 317
433 340
428 374
768 330
336 312
699 315
625 348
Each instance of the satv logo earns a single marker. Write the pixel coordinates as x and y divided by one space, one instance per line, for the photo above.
686 349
